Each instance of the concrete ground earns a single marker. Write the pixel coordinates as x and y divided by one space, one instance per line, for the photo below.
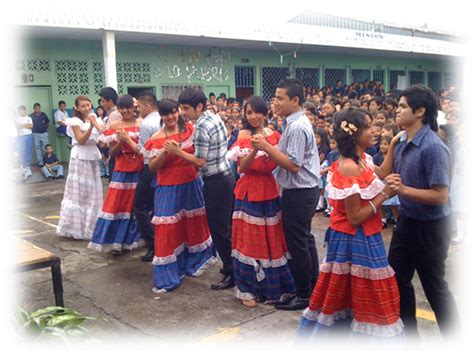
117 290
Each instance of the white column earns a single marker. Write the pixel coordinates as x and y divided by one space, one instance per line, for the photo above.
110 63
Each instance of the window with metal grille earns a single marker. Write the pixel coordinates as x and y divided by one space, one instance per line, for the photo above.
360 75
417 77
308 76
379 75
434 80
173 91
72 77
394 77
36 65
332 75
271 76
244 76
133 72
98 75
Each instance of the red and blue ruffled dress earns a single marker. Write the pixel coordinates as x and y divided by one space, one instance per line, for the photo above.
259 251
116 228
356 282
183 244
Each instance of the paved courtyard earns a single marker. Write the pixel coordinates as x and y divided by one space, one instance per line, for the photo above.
117 290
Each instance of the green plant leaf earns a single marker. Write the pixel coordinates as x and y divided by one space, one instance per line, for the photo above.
50 310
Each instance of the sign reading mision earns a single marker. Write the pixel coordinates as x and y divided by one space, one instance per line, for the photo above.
369 35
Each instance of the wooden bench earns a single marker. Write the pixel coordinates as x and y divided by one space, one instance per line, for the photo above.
32 257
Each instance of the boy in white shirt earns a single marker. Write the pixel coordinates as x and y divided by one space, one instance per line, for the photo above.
25 140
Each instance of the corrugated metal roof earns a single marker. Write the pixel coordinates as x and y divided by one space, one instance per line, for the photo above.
320 19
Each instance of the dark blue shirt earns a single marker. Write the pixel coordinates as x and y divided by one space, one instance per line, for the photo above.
378 159
332 157
233 137
373 150
338 90
40 122
50 159
422 163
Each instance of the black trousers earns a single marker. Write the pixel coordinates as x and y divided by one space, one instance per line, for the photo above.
297 208
143 207
111 167
423 246
218 191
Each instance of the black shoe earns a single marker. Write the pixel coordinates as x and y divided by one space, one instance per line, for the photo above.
296 303
148 257
226 283
284 300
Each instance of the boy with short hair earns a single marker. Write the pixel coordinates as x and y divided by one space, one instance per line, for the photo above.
52 169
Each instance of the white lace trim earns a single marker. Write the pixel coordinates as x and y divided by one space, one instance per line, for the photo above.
359 327
106 139
378 330
112 247
357 270
158 220
264 221
324 319
237 152
157 152
191 249
368 193
151 153
260 264
117 216
204 267
123 186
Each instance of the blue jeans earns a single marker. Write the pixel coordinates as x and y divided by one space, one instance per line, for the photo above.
25 149
41 139
57 169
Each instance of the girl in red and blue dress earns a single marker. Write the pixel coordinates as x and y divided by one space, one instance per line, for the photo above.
116 228
183 244
259 251
355 281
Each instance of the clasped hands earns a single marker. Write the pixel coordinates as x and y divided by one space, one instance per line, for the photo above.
172 146
393 184
258 141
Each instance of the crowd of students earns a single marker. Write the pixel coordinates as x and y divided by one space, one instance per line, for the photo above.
351 152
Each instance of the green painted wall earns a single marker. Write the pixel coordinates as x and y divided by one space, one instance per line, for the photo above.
73 67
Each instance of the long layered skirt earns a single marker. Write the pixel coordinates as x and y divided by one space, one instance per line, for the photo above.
82 200
183 244
116 228
357 284
259 251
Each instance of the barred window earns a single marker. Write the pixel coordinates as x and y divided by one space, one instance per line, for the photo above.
360 75
244 76
417 77
271 76
308 76
332 75
434 80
